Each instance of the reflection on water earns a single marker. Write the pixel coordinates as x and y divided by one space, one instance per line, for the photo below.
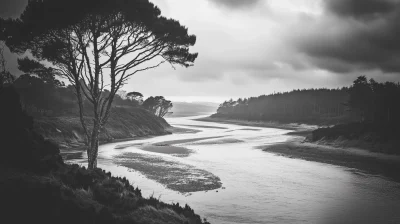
259 187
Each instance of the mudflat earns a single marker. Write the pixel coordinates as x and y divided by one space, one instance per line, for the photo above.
176 176
359 159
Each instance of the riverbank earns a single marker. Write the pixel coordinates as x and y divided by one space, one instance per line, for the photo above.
354 158
124 124
350 135
374 137
36 186
291 126
80 146
352 154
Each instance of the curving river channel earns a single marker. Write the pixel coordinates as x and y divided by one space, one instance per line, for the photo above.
221 172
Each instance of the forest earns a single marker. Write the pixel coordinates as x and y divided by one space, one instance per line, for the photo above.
364 101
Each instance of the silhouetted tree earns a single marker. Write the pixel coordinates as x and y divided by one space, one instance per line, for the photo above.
375 102
98 43
361 98
151 104
5 76
164 108
157 105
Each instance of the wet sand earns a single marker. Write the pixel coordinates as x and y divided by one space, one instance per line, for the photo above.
178 130
176 176
292 126
354 158
189 140
168 149
218 141
369 162
249 129
203 126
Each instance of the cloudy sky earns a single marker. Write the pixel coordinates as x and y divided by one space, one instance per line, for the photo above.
254 47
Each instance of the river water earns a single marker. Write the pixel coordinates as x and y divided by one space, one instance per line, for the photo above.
257 186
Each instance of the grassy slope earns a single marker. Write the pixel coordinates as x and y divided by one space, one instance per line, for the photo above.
373 137
36 186
123 123
71 194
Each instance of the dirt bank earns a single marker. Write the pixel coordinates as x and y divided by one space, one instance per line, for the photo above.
124 124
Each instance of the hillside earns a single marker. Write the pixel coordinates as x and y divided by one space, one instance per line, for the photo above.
123 123
36 186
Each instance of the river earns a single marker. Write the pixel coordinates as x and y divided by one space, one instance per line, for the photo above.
257 186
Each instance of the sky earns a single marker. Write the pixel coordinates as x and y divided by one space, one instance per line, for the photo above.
255 47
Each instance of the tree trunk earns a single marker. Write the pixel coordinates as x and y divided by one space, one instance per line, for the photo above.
93 148
92 156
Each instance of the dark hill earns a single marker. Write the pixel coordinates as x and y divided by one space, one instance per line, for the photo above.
36 186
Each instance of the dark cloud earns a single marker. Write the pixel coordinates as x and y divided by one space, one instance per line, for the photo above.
12 8
236 4
356 34
360 8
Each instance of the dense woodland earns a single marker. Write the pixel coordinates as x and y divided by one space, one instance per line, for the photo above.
365 100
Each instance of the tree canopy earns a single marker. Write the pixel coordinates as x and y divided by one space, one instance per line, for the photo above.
46 74
157 105
97 44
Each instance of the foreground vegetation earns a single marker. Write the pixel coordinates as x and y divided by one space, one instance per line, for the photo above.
38 187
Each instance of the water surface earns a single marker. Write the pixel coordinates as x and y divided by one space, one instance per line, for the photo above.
257 186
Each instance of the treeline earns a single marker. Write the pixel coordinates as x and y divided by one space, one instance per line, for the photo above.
375 102
296 106
42 94
365 100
